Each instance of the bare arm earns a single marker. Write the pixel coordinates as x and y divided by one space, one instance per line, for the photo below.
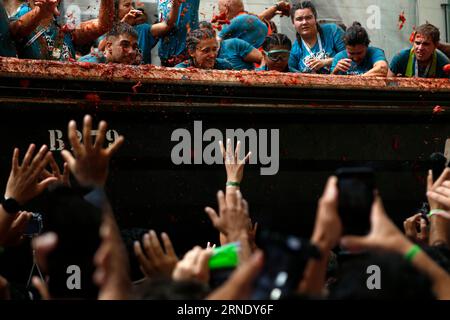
282 7
90 30
255 56
380 69
162 28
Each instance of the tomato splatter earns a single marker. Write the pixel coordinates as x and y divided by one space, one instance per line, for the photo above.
401 20
93 98
438 110
447 69
136 86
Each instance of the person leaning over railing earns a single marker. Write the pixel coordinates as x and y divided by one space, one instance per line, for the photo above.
203 49
276 50
359 58
422 60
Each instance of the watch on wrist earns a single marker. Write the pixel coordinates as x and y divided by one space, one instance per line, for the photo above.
11 205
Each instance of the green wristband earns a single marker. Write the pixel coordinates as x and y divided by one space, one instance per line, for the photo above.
233 184
412 253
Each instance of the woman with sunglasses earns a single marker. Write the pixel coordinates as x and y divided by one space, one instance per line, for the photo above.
277 48
203 49
316 45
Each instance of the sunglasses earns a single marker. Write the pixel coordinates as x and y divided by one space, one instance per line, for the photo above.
278 55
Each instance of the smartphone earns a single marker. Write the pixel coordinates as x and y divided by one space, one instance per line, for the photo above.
285 259
438 162
77 222
356 196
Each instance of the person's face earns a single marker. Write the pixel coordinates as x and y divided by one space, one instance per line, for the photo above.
205 54
357 53
304 22
125 6
424 47
277 61
122 49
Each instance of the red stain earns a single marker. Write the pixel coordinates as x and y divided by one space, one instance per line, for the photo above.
438 110
93 98
395 143
401 20
136 86
447 69
85 65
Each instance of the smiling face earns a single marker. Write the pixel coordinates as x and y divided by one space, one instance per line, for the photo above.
305 22
205 54
424 48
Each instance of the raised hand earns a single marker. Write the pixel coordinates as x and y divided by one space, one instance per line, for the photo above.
89 163
156 261
194 266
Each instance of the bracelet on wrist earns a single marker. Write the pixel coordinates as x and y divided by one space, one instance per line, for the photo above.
412 253
233 184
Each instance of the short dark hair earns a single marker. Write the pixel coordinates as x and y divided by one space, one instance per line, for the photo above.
276 39
298 5
194 37
355 35
429 30
121 28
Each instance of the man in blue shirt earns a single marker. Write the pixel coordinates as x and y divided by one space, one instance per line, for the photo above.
240 54
172 46
148 34
359 58
121 46
423 60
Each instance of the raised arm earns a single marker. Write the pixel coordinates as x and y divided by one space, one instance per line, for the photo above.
26 24
162 28
90 30
282 8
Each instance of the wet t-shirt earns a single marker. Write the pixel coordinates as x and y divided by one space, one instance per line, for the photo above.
174 43
234 51
246 27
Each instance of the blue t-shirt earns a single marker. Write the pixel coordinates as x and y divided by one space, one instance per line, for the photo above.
220 65
373 56
7 48
50 45
174 43
93 58
146 41
247 27
332 43
234 51
400 62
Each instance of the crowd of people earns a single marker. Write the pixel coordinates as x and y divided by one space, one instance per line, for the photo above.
248 262
234 39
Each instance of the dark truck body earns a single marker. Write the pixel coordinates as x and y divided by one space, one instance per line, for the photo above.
324 123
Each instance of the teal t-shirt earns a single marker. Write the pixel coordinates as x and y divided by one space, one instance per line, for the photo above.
174 43
234 51
7 48
146 41
93 58
46 44
373 56
246 27
400 62
331 41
